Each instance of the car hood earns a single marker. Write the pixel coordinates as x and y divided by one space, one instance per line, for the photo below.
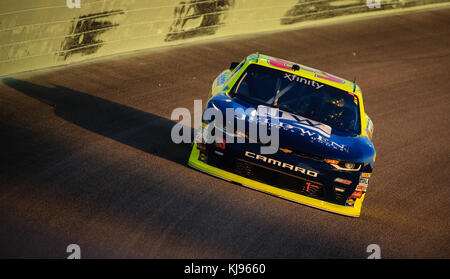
298 133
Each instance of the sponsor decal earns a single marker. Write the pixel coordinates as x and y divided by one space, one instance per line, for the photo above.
361 188
343 181
365 174
363 184
281 164
350 202
299 79
314 130
364 181
292 121
356 194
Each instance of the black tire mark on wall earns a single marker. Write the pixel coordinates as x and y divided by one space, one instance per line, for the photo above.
86 29
304 10
211 15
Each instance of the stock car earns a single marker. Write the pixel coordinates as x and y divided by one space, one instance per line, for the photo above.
324 157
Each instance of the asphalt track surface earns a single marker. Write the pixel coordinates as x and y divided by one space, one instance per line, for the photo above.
87 156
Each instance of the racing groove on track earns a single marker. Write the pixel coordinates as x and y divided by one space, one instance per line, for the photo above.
87 156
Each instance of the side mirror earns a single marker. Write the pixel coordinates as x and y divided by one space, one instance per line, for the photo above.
233 65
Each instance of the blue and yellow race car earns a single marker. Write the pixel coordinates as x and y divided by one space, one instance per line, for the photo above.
323 156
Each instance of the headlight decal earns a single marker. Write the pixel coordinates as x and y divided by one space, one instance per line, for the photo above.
345 166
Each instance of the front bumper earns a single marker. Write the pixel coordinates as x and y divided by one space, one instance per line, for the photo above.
353 211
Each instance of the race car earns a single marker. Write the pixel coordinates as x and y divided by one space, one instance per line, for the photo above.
323 156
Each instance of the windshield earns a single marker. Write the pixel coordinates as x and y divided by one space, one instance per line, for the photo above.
308 98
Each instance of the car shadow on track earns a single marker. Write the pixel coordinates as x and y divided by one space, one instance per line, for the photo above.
142 130
158 219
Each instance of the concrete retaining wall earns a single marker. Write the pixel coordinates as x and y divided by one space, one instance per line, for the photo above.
37 34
